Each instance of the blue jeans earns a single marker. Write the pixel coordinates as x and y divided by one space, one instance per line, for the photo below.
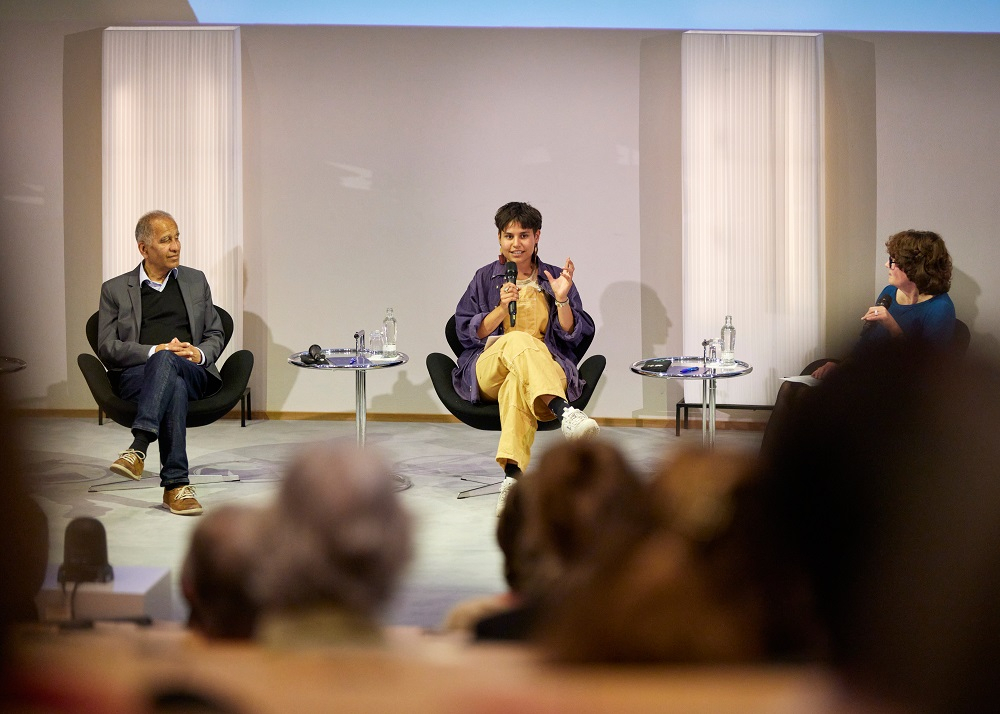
162 387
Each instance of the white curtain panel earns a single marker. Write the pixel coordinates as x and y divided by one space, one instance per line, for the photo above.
172 140
753 239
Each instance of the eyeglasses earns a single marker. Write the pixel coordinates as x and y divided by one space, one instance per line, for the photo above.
892 261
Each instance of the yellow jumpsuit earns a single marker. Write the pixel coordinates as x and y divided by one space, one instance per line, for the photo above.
516 371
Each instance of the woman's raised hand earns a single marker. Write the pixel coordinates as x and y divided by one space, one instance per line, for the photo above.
881 314
562 284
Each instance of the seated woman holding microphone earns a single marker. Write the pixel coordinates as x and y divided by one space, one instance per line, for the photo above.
914 306
518 320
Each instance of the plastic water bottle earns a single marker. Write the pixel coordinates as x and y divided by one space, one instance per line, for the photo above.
389 330
728 341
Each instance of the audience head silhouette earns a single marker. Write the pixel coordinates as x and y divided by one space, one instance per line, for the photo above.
215 577
337 538
579 496
706 581
888 483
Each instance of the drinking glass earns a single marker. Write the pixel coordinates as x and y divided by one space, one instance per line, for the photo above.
376 343
711 351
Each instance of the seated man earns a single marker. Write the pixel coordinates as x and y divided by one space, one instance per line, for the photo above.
158 325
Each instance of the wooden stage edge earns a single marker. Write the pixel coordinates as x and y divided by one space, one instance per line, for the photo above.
641 422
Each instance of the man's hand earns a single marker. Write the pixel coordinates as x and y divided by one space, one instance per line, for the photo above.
182 349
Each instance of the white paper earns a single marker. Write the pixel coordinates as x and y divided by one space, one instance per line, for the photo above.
803 378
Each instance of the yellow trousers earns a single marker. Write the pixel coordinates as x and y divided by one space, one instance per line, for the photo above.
516 371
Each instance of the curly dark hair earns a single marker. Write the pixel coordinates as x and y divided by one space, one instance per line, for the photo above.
923 256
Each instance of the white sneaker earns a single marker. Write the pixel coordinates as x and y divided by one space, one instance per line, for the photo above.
502 498
577 425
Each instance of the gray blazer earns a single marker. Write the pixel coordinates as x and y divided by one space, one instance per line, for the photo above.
120 317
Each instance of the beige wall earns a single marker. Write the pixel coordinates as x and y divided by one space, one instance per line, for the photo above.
379 156
939 159
375 158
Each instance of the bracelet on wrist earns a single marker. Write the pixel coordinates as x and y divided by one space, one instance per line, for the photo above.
564 303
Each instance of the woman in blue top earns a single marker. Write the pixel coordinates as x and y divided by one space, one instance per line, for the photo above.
914 306
919 307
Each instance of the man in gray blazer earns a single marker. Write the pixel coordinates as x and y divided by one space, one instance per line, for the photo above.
157 324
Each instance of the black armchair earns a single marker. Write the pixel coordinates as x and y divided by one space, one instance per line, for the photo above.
486 416
201 412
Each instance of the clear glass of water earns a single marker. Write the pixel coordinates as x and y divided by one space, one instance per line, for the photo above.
712 351
376 343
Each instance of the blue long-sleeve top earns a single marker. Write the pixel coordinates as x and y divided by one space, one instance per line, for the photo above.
931 321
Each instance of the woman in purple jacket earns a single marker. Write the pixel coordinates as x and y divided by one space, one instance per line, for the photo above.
522 359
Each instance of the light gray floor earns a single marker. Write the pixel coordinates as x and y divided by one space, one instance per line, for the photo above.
456 555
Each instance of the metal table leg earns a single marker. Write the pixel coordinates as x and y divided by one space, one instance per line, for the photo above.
360 405
711 413
704 411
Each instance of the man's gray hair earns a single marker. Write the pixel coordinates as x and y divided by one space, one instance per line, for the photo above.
337 534
144 228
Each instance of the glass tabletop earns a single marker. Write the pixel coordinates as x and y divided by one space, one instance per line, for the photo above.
347 358
689 368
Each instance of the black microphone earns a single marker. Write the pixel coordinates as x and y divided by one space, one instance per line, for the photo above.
884 301
512 278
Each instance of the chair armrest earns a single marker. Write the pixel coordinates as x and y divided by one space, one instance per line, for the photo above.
440 368
96 377
592 369
236 370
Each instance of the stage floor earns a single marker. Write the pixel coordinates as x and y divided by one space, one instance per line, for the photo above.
455 555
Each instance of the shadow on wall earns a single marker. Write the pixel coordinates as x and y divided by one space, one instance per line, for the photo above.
267 394
654 327
419 398
965 294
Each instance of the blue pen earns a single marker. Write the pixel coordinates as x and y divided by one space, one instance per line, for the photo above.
689 370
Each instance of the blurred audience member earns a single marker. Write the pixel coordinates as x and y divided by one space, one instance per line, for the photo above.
868 542
709 581
579 496
24 536
336 542
28 685
889 486
215 578
510 527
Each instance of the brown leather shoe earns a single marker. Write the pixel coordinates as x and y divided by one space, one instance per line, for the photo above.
181 500
129 464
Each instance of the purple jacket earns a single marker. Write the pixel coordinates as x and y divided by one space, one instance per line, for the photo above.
483 295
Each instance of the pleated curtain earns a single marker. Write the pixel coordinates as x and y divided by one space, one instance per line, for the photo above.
753 239
172 140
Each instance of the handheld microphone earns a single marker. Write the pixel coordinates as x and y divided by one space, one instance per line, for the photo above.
512 278
884 301
314 356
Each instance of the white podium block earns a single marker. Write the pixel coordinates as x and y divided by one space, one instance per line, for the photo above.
136 591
